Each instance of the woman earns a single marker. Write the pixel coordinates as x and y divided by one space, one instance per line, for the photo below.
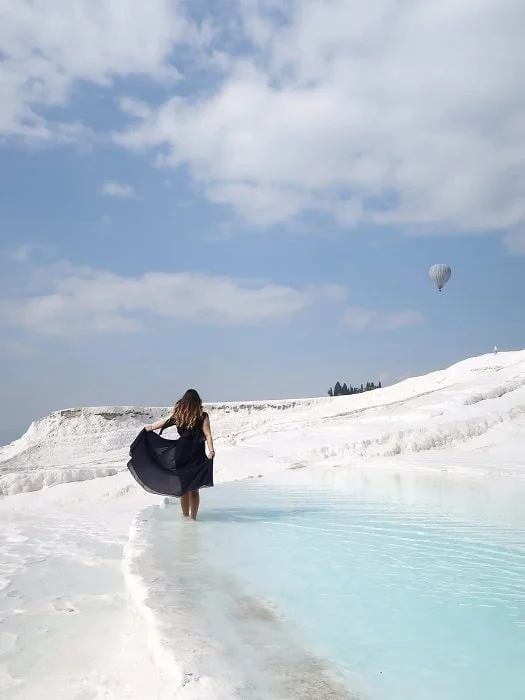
176 467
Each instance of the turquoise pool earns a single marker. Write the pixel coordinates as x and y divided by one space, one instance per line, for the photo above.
410 593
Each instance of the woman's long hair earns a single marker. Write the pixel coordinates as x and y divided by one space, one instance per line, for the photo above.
188 410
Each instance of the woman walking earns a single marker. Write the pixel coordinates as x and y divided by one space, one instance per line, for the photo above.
176 467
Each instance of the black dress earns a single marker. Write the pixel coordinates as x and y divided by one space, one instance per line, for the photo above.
171 467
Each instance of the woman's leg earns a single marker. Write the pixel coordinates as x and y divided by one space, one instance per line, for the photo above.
185 504
194 503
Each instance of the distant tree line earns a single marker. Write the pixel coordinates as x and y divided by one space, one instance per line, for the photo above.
344 390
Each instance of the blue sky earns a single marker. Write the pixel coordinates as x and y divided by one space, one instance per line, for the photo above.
249 203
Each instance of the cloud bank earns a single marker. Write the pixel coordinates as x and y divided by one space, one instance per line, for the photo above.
409 115
116 189
359 319
82 300
385 113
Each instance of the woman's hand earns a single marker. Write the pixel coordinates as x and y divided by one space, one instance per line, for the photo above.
212 454
158 425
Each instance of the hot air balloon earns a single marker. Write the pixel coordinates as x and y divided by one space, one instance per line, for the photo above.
440 274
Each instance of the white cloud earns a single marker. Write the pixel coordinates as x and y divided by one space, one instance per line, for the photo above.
48 46
385 113
261 205
25 251
359 319
382 113
22 252
83 300
115 189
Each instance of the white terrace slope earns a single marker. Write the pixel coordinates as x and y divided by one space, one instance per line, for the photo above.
477 404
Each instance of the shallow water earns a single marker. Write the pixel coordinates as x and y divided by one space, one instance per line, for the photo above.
409 592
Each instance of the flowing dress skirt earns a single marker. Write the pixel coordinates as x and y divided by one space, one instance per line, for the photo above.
170 467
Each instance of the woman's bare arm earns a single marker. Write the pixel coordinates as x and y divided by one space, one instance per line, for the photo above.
206 429
157 425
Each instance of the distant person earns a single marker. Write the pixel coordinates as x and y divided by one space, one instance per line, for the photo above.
176 467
